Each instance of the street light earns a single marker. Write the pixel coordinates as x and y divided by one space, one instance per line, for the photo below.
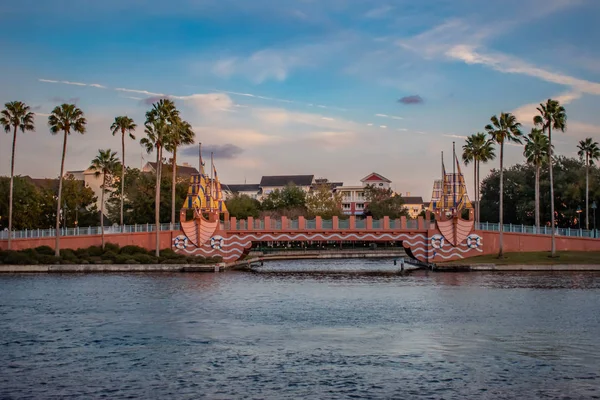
579 215
594 206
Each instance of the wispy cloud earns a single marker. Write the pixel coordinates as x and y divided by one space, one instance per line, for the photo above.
223 151
379 12
388 116
526 112
147 93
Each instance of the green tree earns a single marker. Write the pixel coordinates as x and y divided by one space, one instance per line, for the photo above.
79 203
383 202
477 149
242 206
159 121
536 154
291 201
15 116
64 118
552 116
181 134
105 164
27 211
323 202
588 152
501 130
123 124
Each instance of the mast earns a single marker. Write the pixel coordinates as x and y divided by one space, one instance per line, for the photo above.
453 177
212 181
199 157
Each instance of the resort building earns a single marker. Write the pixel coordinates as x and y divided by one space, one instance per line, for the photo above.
353 197
251 190
184 171
413 204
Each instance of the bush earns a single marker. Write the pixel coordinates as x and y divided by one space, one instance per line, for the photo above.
168 253
133 250
196 260
68 255
173 261
48 259
95 259
144 259
214 260
18 258
125 259
109 255
46 250
111 247
95 251
82 253
31 253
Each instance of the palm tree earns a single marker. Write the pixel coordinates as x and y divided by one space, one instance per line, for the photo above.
588 151
123 124
65 118
477 149
105 164
158 127
17 116
536 153
501 130
552 115
181 133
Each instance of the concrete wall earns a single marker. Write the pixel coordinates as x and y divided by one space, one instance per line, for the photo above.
521 242
142 239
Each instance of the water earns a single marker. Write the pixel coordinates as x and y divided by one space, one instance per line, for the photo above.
290 335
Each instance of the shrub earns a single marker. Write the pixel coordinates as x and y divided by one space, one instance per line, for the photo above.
95 251
18 258
133 250
168 253
196 260
68 255
109 255
31 253
111 247
144 259
48 259
214 260
46 250
82 253
125 259
173 261
95 259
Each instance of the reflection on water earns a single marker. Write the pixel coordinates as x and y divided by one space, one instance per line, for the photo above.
355 329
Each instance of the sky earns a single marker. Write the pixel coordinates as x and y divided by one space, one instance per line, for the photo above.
334 88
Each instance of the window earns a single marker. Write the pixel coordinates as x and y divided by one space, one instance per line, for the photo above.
345 206
360 206
381 184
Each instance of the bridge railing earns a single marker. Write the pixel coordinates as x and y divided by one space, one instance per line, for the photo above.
543 230
83 231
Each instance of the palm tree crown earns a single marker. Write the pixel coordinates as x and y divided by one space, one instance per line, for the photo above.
504 129
478 148
588 149
536 148
552 115
105 163
67 118
181 134
17 116
123 124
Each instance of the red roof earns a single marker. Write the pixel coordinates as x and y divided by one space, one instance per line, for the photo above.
373 176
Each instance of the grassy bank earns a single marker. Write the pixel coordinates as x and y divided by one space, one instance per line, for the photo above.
534 258
111 254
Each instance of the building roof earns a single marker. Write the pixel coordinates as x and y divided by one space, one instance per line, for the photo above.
283 180
375 177
413 200
48 183
181 169
236 188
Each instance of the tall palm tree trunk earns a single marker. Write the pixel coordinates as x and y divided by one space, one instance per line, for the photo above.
10 190
501 241
102 207
475 188
537 198
173 186
550 163
122 174
477 193
60 182
157 199
587 191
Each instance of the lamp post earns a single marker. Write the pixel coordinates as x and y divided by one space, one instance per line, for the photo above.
579 215
594 206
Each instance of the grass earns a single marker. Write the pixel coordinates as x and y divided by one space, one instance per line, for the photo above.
533 258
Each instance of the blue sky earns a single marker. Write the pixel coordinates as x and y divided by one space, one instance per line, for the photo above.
301 86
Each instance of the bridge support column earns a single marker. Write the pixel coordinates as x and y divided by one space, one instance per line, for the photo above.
369 223
335 221
284 223
420 223
352 222
386 223
250 223
402 222
233 223
267 225
318 222
301 223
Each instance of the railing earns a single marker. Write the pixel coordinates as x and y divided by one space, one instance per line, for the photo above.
83 231
343 224
543 230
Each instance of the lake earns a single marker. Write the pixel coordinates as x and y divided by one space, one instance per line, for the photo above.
310 329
